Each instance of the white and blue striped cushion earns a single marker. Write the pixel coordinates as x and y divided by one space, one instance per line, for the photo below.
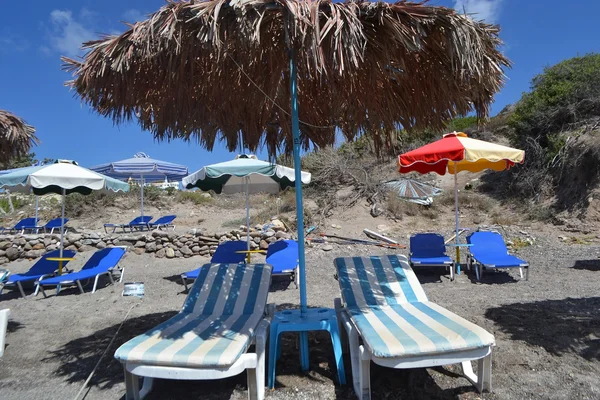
391 311
216 324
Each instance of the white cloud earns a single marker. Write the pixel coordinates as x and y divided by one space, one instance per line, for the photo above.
67 33
487 10
133 15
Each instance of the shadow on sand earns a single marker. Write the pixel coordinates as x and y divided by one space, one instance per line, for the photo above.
559 326
590 265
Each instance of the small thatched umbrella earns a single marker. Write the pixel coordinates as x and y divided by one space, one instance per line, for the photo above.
208 70
16 137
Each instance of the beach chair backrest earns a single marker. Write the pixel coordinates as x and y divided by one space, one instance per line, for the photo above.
487 242
283 255
25 223
43 266
228 289
55 223
378 281
167 219
104 259
226 252
427 245
140 220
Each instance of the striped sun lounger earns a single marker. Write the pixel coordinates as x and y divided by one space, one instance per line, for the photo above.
223 314
385 306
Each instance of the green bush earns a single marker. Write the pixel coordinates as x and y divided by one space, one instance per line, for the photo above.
18 202
562 94
461 124
196 197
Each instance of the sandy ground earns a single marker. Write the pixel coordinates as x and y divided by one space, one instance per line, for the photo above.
547 331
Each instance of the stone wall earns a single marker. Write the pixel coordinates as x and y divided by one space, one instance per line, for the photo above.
162 244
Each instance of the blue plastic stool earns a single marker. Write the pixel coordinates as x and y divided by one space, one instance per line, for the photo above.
313 319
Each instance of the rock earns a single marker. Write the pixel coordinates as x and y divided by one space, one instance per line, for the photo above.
161 234
160 253
34 253
131 239
311 205
139 244
3 260
282 235
178 254
94 236
271 239
205 195
256 240
86 242
2 253
39 246
20 242
327 247
170 253
51 247
258 227
101 245
220 235
5 245
263 245
336 226
204 248
150 247
196 249
73 237
254 234
139 251
269 233
277 225
186 251
47 241
33 242
171 236
121 243
27 247
85 247
253 245
12 253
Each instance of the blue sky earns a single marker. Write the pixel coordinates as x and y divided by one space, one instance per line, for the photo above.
537 33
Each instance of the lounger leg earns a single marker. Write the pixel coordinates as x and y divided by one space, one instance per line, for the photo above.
184 283
364 375
354 354
521 272
273 348
81 287
451 266
132 386
95 284
337 303
297 277
42 289
21 289
147 384
256 377
526 273
484 373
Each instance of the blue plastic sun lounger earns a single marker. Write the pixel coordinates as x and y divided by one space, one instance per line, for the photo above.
389 320
138 223
226 253
22 225
429 250
102 262
283 256
54 224
488 250
224 314
163 222
41 269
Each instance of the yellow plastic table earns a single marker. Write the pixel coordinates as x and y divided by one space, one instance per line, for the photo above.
60 262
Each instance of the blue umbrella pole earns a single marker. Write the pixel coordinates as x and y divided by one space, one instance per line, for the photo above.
298 182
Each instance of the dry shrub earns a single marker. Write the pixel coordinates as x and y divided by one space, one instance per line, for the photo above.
194 197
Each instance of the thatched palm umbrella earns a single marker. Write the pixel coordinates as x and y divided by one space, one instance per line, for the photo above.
16 137
208 70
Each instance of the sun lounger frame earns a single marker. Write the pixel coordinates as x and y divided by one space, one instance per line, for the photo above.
361 357
253 363
472 262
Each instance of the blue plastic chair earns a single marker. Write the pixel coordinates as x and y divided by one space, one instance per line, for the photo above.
22 225
488 250
138 222
429 250
226 253
166 222
54 224
41 269
283 256
102 262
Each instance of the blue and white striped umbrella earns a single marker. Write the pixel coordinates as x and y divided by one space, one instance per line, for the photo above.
413 191
143 168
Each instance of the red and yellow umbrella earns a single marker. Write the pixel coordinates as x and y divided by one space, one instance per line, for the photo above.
456 152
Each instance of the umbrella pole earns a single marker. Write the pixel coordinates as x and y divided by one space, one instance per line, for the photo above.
456 217
247 220
142 195
37 206
62 231
298 180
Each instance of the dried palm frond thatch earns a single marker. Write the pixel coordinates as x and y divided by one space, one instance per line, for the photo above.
206 70
16 137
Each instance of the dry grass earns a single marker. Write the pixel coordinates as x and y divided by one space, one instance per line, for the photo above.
196 70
